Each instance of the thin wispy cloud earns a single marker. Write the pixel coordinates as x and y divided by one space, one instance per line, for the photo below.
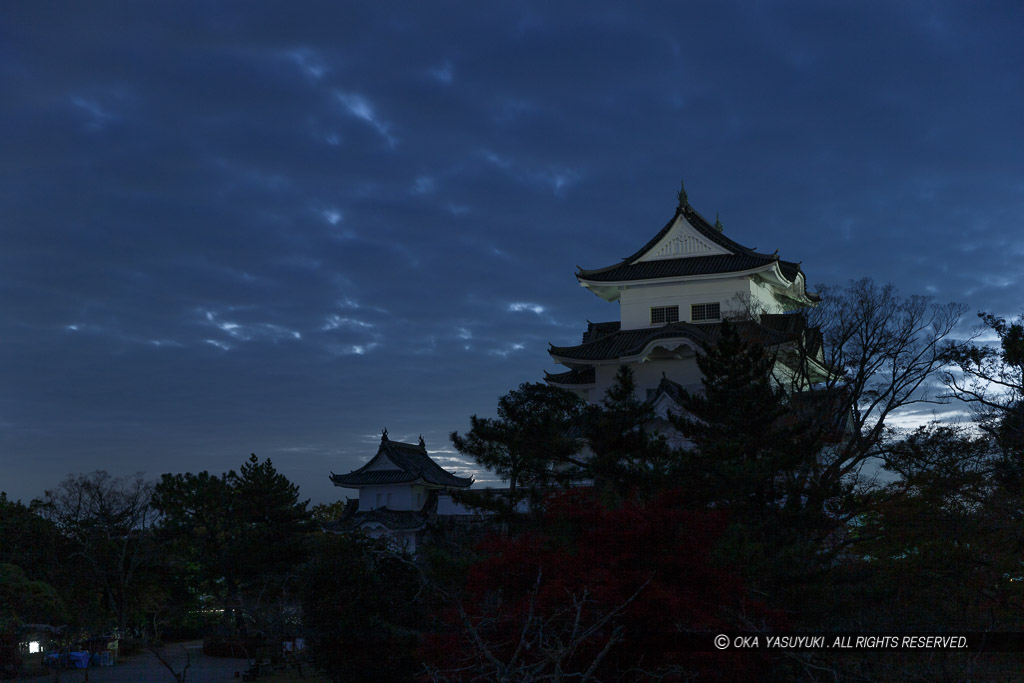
251 331
443 73
335 322
524 306
360 107
311 66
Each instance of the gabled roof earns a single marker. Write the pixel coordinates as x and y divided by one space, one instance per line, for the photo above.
629 343
729 257
400 463
673 390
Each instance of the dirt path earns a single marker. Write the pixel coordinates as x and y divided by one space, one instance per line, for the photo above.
145 668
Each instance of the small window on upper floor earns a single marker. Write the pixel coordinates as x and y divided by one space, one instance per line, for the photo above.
664 314
705 312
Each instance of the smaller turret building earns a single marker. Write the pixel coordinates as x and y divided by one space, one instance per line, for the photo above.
401 490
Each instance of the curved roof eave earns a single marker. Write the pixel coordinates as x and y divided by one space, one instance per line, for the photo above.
648 347
592 385
411 481
802 296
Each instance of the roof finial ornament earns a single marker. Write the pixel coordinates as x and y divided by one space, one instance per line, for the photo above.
384 435
423 444
681 195
718 223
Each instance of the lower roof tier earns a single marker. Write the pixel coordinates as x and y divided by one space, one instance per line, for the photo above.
616 344
573 378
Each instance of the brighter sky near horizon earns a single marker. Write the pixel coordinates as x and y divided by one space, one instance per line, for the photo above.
279 227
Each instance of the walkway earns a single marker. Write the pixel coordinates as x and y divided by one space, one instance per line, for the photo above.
145 668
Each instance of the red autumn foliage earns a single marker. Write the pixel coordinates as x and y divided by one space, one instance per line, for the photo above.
612 592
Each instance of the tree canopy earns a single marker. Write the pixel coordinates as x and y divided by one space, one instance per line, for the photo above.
533 441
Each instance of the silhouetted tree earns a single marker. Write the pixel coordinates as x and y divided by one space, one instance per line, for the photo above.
878 352
625 458
361 610
750 449
533 441
753 452
196 532
240 537
107 521
597 593
23 600
30 541
990 378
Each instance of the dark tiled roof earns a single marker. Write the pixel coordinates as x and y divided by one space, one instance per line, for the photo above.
584 376
625 343
741 258
676 267
395 520
630 342
412 463
789 269
793 326
373 478
597 330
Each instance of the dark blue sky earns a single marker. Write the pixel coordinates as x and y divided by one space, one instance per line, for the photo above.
278 227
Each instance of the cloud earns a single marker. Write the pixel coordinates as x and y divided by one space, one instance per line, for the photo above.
506 350
251 331
521 306
97 116
310 65
352 349
423 186
443 73
332 216
359 107
335 322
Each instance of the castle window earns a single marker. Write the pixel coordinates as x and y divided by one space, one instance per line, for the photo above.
703 312
664 314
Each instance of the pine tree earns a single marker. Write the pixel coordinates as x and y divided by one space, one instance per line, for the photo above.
626 459
754 455
531 442
751 449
